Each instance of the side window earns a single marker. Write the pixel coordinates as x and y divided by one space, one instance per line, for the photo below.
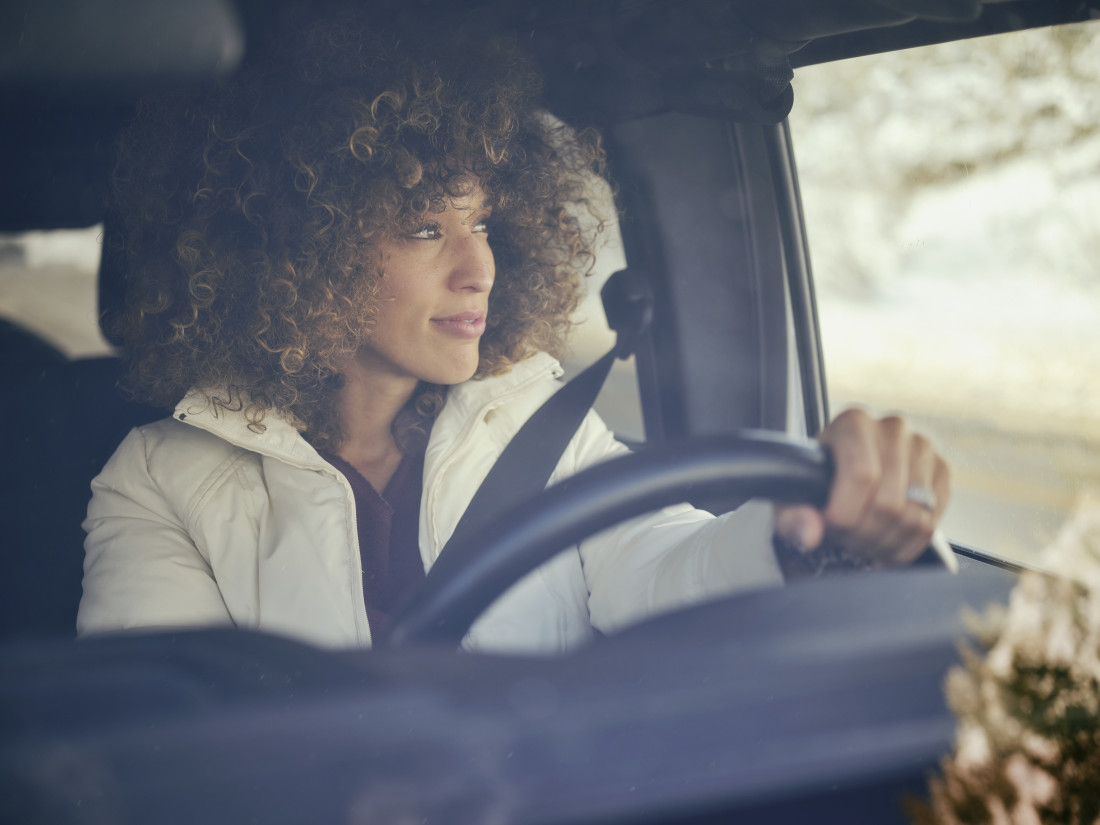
951 197
48 288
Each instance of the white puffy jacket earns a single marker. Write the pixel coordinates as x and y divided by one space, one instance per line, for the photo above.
198 520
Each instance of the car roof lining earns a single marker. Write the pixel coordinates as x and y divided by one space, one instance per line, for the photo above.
70 74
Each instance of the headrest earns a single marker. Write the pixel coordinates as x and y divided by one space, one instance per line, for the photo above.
112 277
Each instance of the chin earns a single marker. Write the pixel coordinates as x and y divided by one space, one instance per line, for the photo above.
452 375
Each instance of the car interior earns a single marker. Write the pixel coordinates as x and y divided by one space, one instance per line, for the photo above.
692 98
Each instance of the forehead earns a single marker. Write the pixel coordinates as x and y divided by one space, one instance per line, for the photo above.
465 191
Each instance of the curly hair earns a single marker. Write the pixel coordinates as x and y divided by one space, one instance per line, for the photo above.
249 211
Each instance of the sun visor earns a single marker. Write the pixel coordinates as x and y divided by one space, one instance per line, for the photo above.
115 48
806 20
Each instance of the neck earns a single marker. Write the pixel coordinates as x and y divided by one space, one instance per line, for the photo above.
369 403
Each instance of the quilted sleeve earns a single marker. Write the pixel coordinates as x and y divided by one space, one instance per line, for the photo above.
671 558
141 567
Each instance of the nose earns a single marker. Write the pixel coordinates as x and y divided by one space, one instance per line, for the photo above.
473 268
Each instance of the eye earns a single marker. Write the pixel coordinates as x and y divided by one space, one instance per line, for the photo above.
427 232
482 226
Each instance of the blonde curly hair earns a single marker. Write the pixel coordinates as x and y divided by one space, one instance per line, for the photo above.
248 213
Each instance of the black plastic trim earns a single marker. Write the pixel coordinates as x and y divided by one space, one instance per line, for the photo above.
997 18
993 559
796 253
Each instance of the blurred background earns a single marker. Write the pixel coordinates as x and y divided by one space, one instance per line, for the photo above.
952 196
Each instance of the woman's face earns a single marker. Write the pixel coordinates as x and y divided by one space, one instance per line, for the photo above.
434 297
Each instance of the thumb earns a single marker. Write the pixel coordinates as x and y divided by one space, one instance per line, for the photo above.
799 525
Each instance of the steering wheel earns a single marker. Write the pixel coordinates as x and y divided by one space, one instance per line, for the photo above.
470 575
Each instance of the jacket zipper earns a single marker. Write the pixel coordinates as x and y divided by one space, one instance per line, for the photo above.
359 595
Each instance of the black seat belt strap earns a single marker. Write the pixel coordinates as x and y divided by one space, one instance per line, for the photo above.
525 465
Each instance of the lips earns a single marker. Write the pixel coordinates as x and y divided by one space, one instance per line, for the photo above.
462 325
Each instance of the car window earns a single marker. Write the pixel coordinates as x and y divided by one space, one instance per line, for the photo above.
48 287
951 195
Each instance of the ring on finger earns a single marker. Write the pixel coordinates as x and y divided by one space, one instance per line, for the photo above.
921 496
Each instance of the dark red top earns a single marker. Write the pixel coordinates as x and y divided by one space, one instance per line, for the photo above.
389 527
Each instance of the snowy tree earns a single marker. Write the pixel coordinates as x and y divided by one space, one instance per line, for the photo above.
874 133
1028 743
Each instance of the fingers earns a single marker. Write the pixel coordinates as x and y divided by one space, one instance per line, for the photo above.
915 518
876 509
854 442
800 525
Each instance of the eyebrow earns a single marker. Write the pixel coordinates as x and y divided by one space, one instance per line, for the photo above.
486 205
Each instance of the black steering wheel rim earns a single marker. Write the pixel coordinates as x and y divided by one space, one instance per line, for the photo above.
470 575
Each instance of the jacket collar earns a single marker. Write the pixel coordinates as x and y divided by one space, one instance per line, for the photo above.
276 437
279 438
468 398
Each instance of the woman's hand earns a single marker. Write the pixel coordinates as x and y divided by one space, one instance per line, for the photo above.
889 492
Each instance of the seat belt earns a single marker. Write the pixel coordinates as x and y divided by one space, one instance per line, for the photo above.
526 463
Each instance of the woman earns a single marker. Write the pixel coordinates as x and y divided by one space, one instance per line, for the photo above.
355 266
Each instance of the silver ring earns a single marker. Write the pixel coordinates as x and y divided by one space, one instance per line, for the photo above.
921 496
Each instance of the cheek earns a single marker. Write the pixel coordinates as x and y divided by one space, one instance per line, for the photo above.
404 283
390 299
385 292
398 313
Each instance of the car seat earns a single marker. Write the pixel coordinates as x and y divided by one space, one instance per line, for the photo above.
21 348
60 420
